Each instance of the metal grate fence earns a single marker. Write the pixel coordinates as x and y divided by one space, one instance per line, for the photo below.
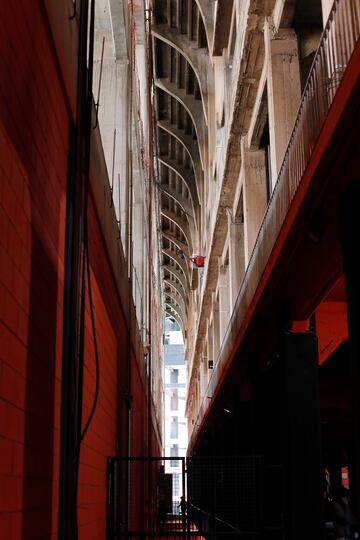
224 498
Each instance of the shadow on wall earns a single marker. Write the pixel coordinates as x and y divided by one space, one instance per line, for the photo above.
34 117
39 404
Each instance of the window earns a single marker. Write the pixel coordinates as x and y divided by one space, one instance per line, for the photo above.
174 428
174 401
174 376
174 452
175 484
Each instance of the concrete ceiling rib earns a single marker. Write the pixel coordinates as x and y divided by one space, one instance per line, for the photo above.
194 109
197 58
185 176
182 225
170 310
176 288
182 264
175 301
206 10
180 277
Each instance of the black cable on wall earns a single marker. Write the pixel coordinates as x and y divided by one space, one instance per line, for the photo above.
77 266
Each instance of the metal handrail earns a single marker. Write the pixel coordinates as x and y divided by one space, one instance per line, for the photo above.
336 46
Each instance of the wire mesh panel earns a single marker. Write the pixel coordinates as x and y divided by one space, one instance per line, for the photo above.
224 494
197 497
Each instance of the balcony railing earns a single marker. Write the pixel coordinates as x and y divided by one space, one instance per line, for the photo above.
336 46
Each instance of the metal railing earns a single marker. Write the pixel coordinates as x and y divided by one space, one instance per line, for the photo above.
336 46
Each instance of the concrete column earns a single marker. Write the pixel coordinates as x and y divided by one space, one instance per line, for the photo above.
254 197
236 257
206 363
210 342
284 91
349 226
216 323
326 6
219 71
302 437
224 300
138 261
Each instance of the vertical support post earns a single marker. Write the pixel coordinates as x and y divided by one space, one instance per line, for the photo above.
284 91
302 436
183 471
349 227
254 196
236 256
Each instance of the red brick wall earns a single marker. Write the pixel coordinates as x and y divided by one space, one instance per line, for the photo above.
34 121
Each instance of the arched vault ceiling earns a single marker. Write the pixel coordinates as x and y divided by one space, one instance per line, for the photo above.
188 143
183 35
193 107
176 287
197 58
176 274
181 223
206 8
176 301
182 264
173 313
185 175
177 243
185 204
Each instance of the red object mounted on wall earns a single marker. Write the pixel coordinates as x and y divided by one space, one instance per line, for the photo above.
198 261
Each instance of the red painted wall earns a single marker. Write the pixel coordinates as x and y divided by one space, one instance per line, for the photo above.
34 121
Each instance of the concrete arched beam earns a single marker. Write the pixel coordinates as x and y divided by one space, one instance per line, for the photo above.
182 224
173 313
206 9
177 288
185 176
176 301
183 265
176 309
188 143
178 243
180 277
185 204
190 183
197 58
193 107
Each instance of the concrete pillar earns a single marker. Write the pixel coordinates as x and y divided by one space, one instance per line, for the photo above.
284 91
254 197
216 323
219 72
302 437
236 256
326 6
210 342
138 261
224 300
349 226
